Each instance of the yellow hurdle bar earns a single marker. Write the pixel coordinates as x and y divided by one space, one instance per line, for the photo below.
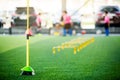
76 44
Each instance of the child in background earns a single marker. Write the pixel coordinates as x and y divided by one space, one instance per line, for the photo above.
66 19
107 23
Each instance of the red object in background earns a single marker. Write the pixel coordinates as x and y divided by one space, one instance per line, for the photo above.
83 32
100 14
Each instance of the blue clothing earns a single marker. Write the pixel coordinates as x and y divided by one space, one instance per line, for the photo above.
106 29
107 32
65 31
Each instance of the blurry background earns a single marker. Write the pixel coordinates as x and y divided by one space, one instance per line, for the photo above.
84 14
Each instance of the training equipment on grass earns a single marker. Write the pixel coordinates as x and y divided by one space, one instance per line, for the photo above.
27 70
75 44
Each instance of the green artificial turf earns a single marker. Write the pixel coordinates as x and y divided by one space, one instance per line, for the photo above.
98 61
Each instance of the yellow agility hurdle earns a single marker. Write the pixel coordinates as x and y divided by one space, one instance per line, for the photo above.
75 44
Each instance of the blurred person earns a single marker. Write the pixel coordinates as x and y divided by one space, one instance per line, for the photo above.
1 23
49 22
54 20
107 23
7 24
38 21
66 23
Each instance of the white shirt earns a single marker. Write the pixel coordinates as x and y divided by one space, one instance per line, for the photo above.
7 22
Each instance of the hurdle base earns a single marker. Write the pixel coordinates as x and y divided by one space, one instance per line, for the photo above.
27 71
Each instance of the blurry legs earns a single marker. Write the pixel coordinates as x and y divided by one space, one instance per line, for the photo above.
70 32
65 31
107 32
10 30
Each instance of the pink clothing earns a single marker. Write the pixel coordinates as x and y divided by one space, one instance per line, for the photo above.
38 20
66 19
106 19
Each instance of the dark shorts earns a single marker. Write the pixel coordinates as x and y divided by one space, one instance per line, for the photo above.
67 26
106 26
39 25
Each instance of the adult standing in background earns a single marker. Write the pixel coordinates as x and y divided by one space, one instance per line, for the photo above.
1 22
7 24
66 20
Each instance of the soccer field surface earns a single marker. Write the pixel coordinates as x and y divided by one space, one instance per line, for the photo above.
99 60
